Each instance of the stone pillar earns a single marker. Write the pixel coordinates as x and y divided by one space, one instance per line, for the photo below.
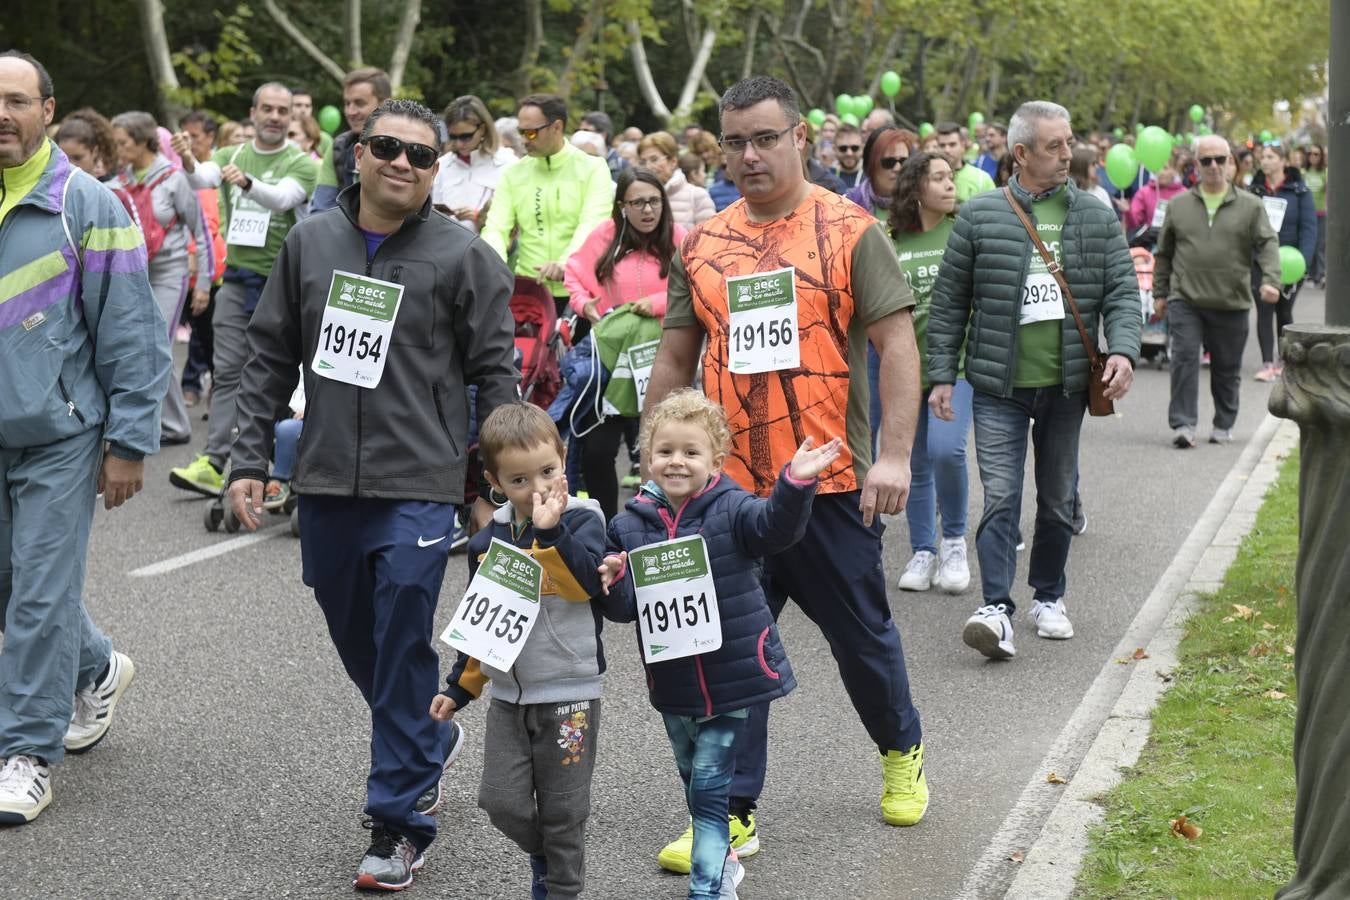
1315 393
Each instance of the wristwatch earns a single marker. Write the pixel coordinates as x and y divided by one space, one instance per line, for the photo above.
248 183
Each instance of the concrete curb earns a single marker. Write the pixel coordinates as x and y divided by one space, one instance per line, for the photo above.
1050 868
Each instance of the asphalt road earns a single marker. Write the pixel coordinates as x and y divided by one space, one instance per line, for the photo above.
237 763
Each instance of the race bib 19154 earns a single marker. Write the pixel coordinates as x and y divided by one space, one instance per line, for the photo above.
358 323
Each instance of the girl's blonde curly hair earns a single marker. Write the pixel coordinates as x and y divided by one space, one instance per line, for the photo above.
689 405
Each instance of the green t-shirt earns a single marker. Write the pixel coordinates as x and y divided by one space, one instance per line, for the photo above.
920 255
1213 202
267 168
971 180
1317 183
1040 344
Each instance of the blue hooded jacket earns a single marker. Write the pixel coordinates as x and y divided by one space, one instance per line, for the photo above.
739 529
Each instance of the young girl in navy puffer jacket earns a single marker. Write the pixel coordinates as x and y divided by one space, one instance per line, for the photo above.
704 698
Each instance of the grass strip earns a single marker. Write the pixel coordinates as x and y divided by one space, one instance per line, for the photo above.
1220 751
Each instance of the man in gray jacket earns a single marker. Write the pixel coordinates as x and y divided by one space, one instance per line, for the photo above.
393 310
1202 283
1026 361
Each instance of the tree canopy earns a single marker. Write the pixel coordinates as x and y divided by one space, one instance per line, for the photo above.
659 62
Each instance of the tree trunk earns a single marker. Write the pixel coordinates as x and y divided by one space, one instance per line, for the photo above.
991 92
971 68
581 47
161 62
642 70
751 33
407 31
529 50
351 32
697 67
295 34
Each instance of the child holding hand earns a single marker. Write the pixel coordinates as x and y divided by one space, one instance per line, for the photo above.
540 740
705 698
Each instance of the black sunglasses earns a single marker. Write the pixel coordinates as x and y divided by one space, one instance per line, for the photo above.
387 148
1212 160
462 136
893 162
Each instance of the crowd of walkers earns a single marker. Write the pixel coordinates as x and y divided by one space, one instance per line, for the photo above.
792 328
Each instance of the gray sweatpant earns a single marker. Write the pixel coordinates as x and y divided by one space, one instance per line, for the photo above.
169 281
52 648
1224 333
537 766
229 323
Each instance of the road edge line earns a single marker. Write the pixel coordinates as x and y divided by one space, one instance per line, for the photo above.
173 563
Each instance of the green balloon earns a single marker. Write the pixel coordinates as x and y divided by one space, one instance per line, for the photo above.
1267 136
1197 113
925 129
1121 166
816 117
843 104
1179 138
976 118
1203 130
1292 265
890 83
862 105
849 118
1118 133
1153 148
330 119
1138 127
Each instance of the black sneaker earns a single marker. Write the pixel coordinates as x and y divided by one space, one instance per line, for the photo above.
390 863
430 801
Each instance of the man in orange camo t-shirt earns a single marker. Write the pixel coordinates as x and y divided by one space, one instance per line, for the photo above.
788 285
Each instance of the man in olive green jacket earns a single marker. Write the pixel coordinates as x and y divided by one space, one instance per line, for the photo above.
996 297
1202 283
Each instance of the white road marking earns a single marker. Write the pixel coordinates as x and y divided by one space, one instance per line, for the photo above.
205 553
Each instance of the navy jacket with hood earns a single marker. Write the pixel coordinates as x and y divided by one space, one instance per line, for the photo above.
1299 228
739 529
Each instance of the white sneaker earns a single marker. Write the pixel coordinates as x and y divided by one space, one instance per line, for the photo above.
1052 620
733 873
919 572
990 631
95 704
954 569
25 789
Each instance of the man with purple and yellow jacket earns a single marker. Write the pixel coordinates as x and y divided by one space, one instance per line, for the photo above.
84 366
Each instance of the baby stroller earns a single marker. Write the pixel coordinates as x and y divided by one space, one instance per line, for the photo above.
1153 338
540 341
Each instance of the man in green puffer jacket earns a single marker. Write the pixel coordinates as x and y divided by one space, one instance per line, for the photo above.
1202 283
1025 360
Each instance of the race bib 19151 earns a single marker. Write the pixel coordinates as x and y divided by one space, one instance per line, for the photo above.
676 599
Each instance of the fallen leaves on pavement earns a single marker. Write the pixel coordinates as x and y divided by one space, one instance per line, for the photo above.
1056 779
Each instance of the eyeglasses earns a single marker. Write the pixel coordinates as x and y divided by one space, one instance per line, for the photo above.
463 136
1208 161
893 162
848 148
641 205
387 148
531 134
648 162
19 103
763 142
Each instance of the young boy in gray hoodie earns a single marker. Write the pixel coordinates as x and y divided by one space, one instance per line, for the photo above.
540 743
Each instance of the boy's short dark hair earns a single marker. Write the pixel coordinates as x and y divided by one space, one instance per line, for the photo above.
520 426
948 128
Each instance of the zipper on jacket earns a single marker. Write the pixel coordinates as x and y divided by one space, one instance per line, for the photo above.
703 686
70 404
440 414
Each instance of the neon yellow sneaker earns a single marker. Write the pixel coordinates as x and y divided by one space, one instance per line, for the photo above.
199 476
904 797
674 857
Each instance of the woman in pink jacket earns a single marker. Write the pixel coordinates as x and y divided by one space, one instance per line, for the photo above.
624 260
1149 206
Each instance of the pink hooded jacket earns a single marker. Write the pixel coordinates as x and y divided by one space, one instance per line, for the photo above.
637 275
1146 201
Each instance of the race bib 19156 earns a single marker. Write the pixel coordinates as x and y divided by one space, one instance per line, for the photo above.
763 312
